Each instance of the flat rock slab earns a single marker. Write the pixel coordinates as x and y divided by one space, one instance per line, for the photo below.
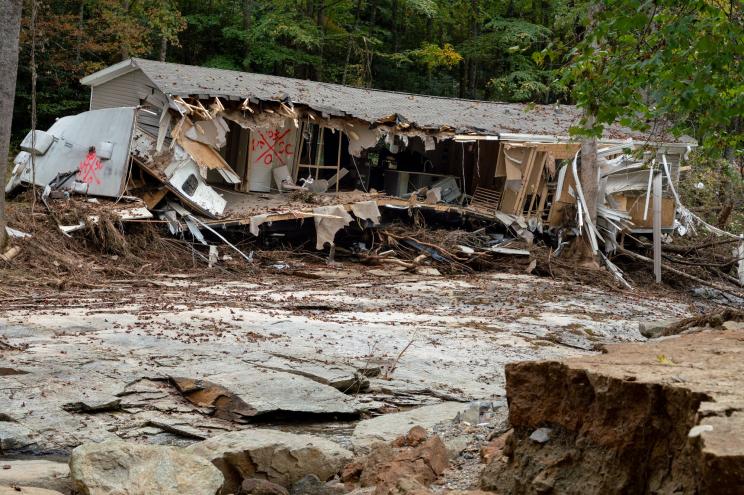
387 427
261 392
36 473
133 469
671 408
14 437
280 457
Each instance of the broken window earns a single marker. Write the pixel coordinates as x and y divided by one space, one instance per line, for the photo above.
189 185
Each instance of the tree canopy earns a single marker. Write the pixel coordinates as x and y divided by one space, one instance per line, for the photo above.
480 49
639 62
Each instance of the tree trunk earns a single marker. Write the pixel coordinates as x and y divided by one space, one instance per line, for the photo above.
394 11
581 249
163 49
9 32
729 154
81 27
473 76
320 20
589 172
351 37
367 52
247 25
124 44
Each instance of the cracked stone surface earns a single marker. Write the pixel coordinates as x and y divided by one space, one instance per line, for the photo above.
427 340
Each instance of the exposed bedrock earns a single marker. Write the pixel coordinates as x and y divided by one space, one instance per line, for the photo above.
659 417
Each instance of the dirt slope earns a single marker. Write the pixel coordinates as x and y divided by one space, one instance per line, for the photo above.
661 417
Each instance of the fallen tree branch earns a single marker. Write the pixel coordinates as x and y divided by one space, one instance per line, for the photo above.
637 256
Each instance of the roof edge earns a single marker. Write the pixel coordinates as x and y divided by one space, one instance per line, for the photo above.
109 73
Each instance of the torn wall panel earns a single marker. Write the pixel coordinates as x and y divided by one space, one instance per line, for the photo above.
180 173
210 132
204 155
328 221
77 143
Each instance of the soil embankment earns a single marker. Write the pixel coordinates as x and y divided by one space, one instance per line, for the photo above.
665 416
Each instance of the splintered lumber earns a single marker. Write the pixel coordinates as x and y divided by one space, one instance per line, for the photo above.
10 253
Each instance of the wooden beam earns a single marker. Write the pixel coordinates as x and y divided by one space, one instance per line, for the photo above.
657 227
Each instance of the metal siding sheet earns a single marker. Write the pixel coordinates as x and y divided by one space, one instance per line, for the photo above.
69 152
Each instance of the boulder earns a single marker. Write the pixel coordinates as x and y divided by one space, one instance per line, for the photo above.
457 445
495 448
657 328
387 427
415 436
126 468
276 456
36 473
394 471
312 485
253 486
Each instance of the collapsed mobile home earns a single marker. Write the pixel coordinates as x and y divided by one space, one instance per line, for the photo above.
209 149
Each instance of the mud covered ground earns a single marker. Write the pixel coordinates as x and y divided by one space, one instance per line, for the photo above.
314 352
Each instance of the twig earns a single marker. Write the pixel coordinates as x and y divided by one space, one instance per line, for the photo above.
681 273
394 364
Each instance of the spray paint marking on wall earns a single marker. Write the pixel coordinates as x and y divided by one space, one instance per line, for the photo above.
87 170
272 145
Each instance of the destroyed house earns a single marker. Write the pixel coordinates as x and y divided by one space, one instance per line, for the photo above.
235 147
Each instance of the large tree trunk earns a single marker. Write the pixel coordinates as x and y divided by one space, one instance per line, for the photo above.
589 172
81 27
394 11
9 31
581 249
321 22
729 154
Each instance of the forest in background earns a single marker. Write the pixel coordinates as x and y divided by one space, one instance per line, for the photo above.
479 49
637 62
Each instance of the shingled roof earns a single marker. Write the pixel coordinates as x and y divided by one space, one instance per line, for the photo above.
424 112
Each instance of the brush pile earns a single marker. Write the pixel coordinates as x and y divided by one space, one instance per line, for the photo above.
93 257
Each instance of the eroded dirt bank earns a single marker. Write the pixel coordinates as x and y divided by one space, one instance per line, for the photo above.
665 416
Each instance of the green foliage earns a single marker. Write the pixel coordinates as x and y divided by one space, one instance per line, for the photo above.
433 56
642 61
470 48
712 184
675 65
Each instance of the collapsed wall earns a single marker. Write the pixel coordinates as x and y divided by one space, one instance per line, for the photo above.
661 417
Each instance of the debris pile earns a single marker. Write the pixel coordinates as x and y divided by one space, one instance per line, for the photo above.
229 166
